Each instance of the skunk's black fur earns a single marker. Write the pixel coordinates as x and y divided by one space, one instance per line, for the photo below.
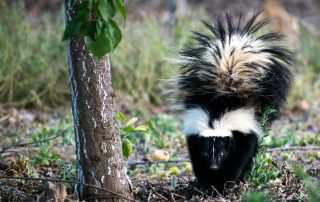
211 169
225 84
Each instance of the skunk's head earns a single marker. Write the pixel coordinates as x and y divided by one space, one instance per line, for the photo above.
215 150
214 139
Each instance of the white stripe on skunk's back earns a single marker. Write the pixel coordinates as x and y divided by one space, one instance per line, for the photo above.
242 120
196 122
220 132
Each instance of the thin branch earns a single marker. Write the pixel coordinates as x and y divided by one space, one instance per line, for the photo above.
66 181
142 162
156 193
291 148
287 148
203 194
172 198
149 197
178 195
29 143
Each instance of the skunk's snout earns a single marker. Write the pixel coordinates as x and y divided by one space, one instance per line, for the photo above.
214 165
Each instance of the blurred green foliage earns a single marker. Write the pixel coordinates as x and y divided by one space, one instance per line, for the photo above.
33 60
310 49
312 186
34 72
164 133
306 85
139 61
34 68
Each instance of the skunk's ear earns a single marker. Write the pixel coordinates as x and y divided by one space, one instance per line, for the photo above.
241 137
236 133
194 139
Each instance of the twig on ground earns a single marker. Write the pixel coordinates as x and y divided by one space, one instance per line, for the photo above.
180 177
150 194
177 195
172 197
219 194
142 162
29 143
204 194
156 193
290 148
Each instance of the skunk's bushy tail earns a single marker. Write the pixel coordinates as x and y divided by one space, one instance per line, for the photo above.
232 60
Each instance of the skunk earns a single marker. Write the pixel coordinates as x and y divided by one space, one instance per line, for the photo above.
227 80
222 154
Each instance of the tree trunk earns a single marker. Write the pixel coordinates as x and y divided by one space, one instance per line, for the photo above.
98 142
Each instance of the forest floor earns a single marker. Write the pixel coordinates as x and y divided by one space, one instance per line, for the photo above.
39 144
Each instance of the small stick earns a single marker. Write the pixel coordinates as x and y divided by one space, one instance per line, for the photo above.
172 197
149 197
290 148
142 162
29 143
203 193
160 195
177 195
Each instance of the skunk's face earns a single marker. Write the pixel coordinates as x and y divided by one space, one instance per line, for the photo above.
215 150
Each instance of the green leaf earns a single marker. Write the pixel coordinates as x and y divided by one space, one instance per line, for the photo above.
106 9
89 29
121 117
142 128
126 148
72 2
85 4
71 29
100 46
128 129
121 7
83 14
114 32
132 121
132 139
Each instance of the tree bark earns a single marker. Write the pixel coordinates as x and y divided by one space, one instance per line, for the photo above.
98 142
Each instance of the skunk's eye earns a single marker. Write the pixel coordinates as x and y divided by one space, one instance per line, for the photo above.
221 155
206 155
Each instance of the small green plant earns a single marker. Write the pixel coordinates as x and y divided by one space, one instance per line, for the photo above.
163 132
265 119
265 168
68 171
129 133
44 141
45 155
